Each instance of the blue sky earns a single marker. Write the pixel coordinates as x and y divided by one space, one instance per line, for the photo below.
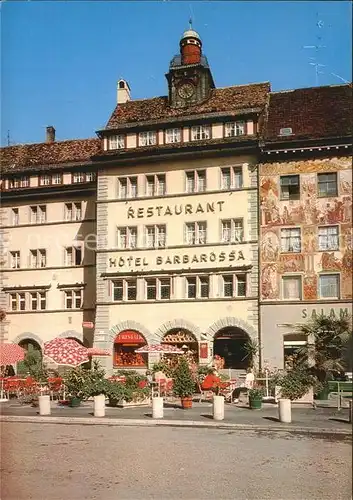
61 60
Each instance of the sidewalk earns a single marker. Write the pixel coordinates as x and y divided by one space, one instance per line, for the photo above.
310 420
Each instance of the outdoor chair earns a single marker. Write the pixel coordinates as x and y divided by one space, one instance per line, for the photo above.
204 392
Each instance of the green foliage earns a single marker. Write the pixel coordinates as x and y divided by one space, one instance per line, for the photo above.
32 365
118 393
328 342
295 383
184 385
256 393
78 381
251 348
163 367
202 371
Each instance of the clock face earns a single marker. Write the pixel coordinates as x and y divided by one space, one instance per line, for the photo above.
186 90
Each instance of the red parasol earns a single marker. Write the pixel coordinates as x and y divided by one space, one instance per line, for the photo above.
11 354
97 351
159 348
66 352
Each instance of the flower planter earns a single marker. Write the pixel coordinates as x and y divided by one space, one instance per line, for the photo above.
255 403
44 405
74 402
186 402
323 394
157 407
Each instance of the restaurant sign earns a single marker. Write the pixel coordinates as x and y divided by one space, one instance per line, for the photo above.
336 312
129 336
178 209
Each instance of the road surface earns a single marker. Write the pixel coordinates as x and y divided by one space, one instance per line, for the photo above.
71 462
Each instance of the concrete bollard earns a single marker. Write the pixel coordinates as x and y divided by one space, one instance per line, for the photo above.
218 407
285 410
157 407
99 405
44 405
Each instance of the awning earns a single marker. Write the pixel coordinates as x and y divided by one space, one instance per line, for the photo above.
294 342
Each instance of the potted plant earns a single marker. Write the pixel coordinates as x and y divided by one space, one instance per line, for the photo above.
255 398
295 383
184 384
76 382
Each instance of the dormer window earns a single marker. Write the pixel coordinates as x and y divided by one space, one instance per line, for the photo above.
147 138
200 132
19 182
116 141
172 135
78 177
44 180
232 129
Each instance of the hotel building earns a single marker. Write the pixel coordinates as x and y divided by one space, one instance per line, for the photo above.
150 232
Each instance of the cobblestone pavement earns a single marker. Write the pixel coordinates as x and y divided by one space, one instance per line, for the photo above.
328 418
59 462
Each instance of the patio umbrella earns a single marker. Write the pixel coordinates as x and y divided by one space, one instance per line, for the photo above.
97 351
66 352
11 354
159 349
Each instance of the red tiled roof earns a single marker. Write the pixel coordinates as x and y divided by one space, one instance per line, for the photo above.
311 113
40 156
230 99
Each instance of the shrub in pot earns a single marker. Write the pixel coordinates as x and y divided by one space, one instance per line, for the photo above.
255 398
77 382
184 384
295 383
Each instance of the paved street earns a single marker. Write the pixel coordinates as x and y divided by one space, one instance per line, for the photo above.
70 462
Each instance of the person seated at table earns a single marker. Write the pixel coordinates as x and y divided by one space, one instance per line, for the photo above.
210 381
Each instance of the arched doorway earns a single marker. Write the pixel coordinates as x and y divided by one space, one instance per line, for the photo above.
29 345
180 338
34 357
124 355
229 343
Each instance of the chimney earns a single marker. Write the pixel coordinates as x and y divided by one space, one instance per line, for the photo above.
122 92
50 134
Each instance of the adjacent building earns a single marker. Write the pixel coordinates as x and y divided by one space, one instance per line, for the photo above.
151 232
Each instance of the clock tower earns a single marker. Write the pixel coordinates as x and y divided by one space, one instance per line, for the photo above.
189 78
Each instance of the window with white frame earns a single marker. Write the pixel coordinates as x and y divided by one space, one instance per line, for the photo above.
157 288
127 237
18 301
38 214
197 287
232 177
73 211
290 187
73 256
116 141
172 135
196 233
234 285
232 230
15 259
329 286
200 132
155 185
73 299
90 176
37 258
24 182
78 177
127 187
328 238
291 287
15 218
233 129
38 301
195 181
124 290
155 236
56 179
45 180
291 240
148 138
14 183
327 184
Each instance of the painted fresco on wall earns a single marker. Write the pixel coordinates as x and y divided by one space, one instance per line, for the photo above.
309 213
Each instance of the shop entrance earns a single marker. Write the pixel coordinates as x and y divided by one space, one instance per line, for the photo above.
229 343
184 340
125 344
